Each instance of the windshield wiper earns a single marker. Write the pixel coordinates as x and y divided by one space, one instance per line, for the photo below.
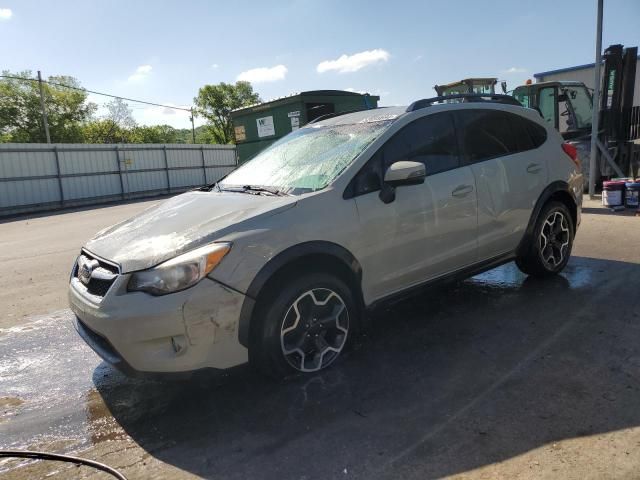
254 190
271 190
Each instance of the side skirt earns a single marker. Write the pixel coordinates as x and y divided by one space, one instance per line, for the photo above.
448 278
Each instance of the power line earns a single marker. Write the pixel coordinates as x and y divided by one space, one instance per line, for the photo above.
40 82
97 93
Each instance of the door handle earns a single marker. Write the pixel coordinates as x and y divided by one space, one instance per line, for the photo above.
462 191
533 168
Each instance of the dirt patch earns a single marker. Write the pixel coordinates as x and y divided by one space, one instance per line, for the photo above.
8 406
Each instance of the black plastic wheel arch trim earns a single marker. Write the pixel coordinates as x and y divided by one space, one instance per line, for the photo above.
281 260
545 196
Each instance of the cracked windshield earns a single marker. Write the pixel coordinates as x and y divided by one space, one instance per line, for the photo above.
308 159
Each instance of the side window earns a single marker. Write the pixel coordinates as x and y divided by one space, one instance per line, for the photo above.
489 134
547 105
537 133
430 140
521 134
486 134
522 95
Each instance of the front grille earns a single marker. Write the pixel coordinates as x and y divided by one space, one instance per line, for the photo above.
99 287
102 276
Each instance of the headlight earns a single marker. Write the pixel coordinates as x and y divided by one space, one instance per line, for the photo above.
181 272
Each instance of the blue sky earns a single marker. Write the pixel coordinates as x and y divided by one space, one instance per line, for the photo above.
163 51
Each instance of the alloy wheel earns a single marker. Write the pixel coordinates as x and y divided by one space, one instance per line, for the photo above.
554 240
314 330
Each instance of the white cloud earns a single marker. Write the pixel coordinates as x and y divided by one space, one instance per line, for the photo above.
264 74
141 73
515 70
353 63
417 58
5 13
351 89
214 66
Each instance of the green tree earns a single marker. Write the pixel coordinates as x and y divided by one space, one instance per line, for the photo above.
155 134
21 116
215 103
116 126
104 131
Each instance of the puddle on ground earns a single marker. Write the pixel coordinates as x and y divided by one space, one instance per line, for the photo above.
575 275
48 379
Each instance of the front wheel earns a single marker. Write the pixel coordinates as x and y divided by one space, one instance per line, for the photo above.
305 326
551 243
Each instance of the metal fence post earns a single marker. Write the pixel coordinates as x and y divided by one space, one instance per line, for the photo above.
595 117
166 169
204 167
58 173
119 171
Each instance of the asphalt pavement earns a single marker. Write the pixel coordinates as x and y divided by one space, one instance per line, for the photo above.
499 376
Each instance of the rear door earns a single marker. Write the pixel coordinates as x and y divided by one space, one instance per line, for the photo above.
510 174
429 229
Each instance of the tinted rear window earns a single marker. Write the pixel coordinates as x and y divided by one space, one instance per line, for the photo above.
537 132
489 134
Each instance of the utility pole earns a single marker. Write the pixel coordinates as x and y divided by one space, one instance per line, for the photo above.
45 121
193 128
595 117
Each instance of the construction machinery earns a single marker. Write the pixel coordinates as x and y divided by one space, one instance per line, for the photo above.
485 85
568 107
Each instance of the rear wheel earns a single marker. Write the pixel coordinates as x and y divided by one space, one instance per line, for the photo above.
304 326
551 243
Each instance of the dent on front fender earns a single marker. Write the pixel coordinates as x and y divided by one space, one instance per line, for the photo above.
211 318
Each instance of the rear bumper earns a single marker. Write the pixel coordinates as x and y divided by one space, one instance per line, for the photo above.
181 332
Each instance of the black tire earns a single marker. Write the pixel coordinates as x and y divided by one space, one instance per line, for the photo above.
550 247
276 314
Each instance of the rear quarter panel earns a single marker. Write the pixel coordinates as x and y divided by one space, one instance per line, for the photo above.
561 167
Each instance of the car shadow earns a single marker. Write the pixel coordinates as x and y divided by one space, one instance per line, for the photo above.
451 380
627 212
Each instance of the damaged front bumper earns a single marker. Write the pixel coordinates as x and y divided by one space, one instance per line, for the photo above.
180 332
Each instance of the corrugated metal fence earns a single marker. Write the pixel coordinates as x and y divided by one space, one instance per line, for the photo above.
36 177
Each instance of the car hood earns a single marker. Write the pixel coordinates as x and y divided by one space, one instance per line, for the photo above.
180 224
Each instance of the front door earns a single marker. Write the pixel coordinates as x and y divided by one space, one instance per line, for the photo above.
430 228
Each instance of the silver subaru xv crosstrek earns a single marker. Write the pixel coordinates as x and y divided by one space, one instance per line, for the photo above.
279 262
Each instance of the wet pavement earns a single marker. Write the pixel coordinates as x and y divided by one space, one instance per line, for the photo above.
479 371
499 376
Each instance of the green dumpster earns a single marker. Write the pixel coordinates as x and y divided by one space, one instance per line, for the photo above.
258 126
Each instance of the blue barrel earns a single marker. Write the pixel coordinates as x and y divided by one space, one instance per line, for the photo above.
632 194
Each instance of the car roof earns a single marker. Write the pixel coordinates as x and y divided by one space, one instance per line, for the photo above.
363 116
397 112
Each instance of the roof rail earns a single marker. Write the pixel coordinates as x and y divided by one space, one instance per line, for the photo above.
465 97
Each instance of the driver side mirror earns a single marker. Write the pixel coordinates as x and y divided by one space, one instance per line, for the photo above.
399 174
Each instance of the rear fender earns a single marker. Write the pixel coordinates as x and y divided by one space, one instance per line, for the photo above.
547 194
